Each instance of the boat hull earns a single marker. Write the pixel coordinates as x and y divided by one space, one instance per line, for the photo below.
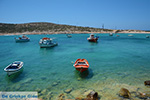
22 40
48 45
13 72
81 69
92 40
111 34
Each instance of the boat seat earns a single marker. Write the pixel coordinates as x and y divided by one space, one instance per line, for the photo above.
14 64
81 63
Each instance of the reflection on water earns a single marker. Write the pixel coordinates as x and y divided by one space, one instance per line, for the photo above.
14 77
84 75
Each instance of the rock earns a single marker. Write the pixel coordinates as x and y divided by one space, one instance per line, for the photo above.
38 90
59 81
79 98
49 88
40 94
48 97
79 79
42 97
147 83
54 84
68 90
43 78
87 92
134 93
61 96
50 93
124 93
92 95
18 87
29 80
44 91
7 88
142 95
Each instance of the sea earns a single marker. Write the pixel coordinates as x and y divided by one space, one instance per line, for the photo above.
115 62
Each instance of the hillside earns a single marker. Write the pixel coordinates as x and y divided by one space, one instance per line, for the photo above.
45 27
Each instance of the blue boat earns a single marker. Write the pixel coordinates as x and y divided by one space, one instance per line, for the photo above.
23 38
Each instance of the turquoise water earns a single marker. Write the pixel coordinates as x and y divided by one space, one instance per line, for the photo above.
115 62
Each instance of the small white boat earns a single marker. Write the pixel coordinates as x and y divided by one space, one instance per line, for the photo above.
47 43
14 67
23 38
110 34
147 36
92 38
130 35
117 35
69 36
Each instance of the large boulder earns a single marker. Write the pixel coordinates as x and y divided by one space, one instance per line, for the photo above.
124 93
68 90
92 96
147 82
144 95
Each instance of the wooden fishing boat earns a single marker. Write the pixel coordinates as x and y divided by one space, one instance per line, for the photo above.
92 38
23 38
81 65
47 43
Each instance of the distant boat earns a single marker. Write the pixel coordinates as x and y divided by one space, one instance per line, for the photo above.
23 38
81 65
69 36
117 35
92 38
47 43
110 34
14 67
130 35
147 36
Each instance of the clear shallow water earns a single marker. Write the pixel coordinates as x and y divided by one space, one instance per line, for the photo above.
115 62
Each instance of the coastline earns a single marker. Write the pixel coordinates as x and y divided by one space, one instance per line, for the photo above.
77 32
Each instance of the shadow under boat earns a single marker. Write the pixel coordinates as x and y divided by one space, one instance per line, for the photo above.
84 75
93 43
14 77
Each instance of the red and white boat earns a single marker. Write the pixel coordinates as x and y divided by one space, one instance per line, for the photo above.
81 65
92 38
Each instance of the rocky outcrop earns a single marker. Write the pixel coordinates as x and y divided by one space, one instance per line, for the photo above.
68 90
147 83
124 93
143 95
92 96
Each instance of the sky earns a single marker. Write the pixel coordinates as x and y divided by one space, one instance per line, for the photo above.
114 14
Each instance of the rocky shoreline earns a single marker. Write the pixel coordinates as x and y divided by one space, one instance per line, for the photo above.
97 91
131 93
120 92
